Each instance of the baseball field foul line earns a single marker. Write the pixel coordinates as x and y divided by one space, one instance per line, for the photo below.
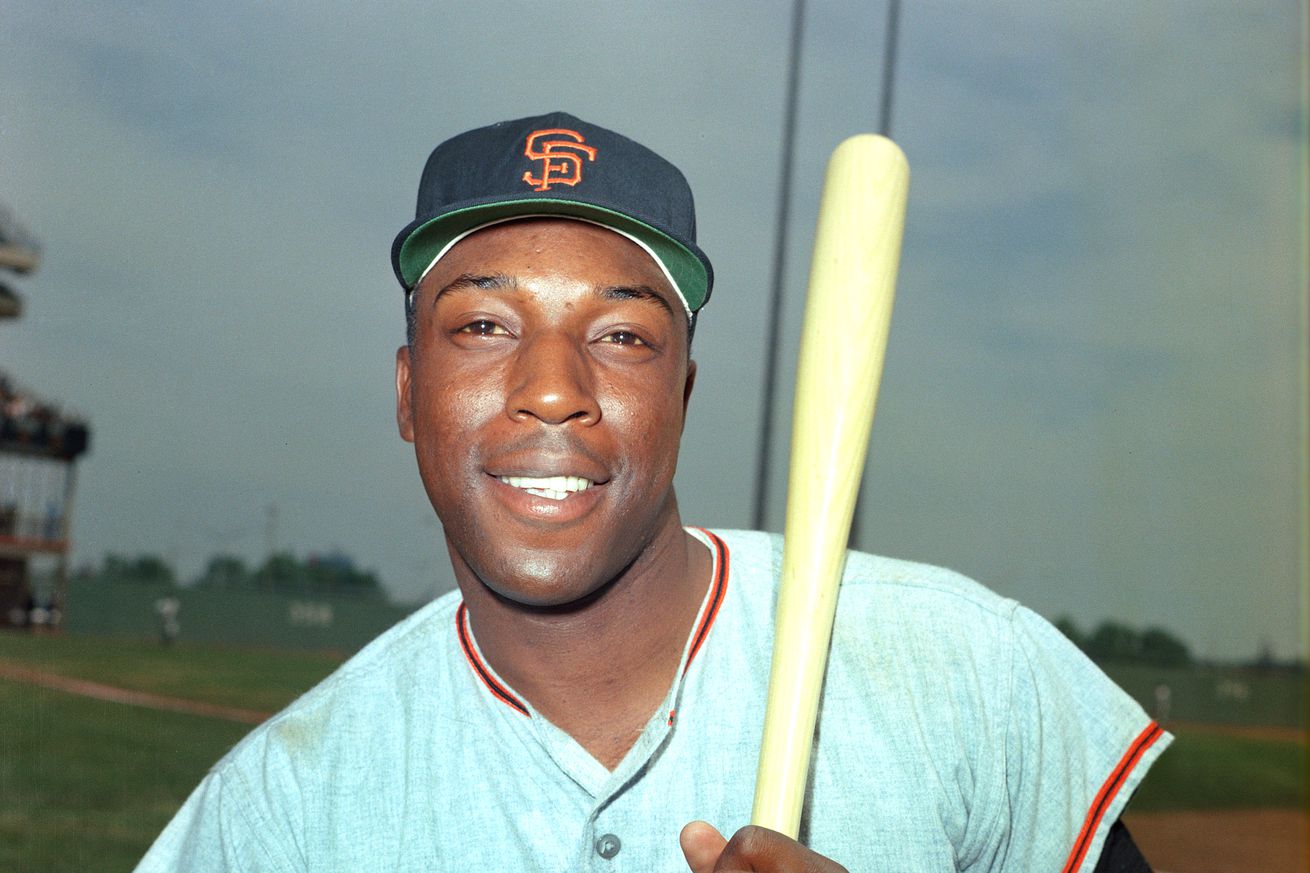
112 694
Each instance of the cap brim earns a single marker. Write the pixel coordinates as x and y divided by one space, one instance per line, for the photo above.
422 241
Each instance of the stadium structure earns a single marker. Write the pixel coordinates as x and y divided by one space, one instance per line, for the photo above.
39 447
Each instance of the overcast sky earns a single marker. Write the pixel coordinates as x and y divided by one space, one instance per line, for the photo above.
1093 398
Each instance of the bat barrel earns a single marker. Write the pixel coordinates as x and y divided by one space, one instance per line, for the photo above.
843 341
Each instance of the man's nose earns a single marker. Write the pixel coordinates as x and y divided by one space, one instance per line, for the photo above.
552 382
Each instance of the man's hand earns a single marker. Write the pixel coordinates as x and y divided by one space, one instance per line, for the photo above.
751 850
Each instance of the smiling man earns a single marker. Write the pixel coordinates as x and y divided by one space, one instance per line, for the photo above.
544 389
592 695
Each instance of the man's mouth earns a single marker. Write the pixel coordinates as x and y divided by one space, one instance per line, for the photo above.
551 487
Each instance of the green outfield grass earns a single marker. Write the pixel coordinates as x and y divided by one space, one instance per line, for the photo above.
1203 770
87 785
249 678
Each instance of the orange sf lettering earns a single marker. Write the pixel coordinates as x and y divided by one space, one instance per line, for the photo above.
560 152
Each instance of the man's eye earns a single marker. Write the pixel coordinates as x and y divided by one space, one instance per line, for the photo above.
482 327
623 338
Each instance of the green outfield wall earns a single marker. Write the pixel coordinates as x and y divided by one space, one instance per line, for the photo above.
300 620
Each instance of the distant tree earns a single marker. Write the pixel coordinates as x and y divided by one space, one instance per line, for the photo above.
283 572
225 571
1163 649
153 569
323 574
1112 641
142 569
336 571
1065 625
365 581
322 577
1115 642
113 568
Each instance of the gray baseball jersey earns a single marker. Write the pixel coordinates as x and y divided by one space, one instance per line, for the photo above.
958 731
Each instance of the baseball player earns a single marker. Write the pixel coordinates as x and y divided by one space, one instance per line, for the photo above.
592 695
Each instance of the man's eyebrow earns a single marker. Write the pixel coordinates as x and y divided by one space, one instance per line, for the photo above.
491 282
636 292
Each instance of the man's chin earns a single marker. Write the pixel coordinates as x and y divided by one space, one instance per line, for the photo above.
531 596
533 580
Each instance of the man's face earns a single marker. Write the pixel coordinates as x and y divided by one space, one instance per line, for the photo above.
546 349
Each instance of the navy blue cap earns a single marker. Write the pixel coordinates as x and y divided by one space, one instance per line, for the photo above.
555 165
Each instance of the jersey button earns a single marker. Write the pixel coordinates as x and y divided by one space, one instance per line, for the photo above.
608 846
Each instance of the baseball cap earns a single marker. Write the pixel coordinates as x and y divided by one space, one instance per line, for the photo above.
559 166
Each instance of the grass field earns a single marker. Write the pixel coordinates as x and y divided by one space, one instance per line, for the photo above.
1204 770
86 785
250 678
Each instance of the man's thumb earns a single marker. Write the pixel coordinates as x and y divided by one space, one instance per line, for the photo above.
701 845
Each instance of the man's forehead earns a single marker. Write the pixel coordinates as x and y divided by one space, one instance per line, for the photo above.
576 248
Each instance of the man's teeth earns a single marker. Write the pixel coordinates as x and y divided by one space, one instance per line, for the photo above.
554 487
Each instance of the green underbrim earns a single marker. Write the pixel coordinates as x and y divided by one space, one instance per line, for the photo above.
423 244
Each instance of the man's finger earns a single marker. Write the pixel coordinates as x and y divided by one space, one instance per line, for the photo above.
701 846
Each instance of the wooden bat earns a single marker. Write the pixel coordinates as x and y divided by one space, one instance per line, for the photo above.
852 282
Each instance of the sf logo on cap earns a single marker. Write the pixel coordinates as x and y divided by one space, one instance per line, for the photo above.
560 152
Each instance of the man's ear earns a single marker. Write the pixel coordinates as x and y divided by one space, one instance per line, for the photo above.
404 404
686 388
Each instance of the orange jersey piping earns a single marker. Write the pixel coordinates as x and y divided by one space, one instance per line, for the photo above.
1107 793
499 691
718 588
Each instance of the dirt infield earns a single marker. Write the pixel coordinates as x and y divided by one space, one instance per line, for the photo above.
1232 841
17 673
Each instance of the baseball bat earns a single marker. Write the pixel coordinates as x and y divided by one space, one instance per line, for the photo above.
848 309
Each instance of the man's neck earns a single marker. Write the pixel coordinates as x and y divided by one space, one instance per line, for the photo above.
599 671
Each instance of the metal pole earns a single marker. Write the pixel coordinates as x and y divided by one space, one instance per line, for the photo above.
884 128
765 455
889 67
